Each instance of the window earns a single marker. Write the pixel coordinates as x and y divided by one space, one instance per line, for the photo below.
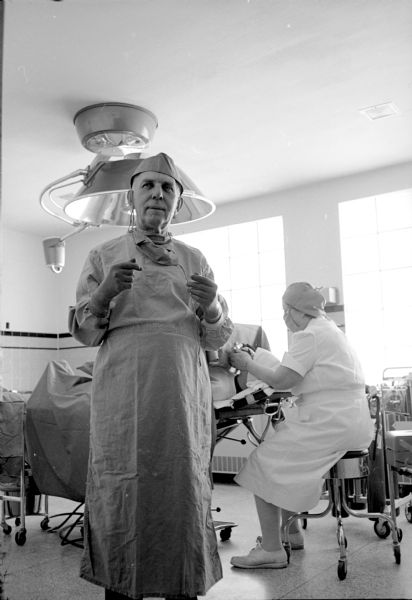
376 243
248 262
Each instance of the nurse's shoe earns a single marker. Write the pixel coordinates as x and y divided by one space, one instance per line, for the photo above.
258 558
296 541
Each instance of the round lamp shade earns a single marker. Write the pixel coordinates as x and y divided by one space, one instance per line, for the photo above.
102 199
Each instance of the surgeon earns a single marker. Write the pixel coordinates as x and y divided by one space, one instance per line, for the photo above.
329 417
150 302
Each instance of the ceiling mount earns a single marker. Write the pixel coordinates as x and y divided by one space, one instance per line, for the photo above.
119 134
115 127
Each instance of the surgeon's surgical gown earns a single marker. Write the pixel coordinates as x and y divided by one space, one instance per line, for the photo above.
148 526
330 416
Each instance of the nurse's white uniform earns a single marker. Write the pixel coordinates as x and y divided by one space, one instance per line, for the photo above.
329 418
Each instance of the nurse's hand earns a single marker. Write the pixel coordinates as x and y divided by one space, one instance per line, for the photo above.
240 359
204 291
118 279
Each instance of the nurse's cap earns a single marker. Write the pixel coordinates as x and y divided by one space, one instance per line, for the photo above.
160 163
306 299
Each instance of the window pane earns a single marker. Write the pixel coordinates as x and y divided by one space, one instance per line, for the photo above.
362 291
276 332
221 271
395 248
270 234
394 211
271 301
357 217
245 271
377 280
397 289
272 267
360 254
246 306
243 239
364 332
248 262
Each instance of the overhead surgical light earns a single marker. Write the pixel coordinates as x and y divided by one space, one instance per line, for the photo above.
115 127
120 135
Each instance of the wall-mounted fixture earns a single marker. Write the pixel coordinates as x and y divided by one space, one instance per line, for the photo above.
331 294
120 135
54 249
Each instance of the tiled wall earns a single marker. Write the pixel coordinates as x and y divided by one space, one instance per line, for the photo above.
25 355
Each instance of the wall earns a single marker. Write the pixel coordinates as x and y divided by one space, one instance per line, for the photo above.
35 300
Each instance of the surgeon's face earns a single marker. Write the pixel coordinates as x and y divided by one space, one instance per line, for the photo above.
155 197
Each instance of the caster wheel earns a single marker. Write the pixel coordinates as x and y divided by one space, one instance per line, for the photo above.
400 535
397 553
225 534
20 537
408 513
382 528
45 524
342 569
17 521
7 529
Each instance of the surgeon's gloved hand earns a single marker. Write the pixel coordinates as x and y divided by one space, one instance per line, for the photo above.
204 291
118 279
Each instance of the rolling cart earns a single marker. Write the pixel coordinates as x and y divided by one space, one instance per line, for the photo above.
13 482
394 439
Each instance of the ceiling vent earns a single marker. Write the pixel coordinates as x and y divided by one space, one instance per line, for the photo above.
379 111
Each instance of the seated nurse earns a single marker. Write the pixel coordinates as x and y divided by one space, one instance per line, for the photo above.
330 416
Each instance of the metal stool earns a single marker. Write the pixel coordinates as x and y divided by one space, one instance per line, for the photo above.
352 467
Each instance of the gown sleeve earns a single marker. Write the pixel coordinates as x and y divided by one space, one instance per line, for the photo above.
214 335
85 326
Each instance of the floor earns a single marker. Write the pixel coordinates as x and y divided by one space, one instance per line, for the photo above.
44 569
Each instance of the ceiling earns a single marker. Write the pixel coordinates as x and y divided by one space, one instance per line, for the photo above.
251 96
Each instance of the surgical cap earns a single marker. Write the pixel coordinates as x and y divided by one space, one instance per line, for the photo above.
161 163
303 297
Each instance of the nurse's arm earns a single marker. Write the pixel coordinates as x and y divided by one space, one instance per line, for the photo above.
282 378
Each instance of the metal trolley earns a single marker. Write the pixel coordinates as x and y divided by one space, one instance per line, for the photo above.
392 405
12 452
349 485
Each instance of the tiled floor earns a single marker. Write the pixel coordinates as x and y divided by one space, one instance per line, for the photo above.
43 569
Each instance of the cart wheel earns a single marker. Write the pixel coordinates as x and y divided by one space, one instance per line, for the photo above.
400 535
45 524
397 553
382 528
225 534
20 537
342 569
17 521
7 529
408 513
